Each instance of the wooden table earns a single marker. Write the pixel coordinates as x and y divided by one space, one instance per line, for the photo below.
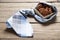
41 32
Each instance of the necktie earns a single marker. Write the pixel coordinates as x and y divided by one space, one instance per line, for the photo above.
21 25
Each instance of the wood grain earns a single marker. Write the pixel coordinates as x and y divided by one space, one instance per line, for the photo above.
24 0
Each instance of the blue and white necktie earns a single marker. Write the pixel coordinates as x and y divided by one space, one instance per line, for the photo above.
21 25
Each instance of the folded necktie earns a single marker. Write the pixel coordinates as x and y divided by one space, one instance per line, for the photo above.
21 25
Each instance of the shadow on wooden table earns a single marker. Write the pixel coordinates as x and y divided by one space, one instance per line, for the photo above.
10 30
49 22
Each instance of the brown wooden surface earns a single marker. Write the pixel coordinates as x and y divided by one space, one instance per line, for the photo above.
41 32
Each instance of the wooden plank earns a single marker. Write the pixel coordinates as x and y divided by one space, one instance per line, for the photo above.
30 38
51 27
17 6
38 27
10 8
24 0
40 31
